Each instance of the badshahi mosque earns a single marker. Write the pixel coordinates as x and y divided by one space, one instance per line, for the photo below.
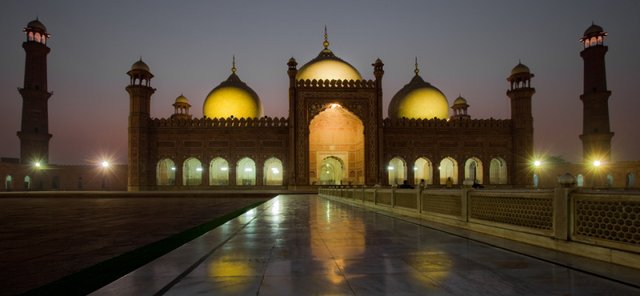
335 132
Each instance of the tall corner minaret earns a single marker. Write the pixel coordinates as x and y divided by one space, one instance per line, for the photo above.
520 93
140 91
34 132
596 132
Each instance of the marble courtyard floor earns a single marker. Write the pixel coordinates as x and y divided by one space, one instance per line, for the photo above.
44 239
307 245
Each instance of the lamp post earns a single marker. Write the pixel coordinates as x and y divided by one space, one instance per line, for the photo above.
37 165
105 169
537 164
596 173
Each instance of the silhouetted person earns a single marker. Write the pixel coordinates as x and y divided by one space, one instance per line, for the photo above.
476 185
449 182
405 184
423 184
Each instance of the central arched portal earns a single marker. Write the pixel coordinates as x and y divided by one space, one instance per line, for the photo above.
336 145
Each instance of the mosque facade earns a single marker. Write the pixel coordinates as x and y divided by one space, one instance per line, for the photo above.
335 132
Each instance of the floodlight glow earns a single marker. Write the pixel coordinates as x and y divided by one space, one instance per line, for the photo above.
597 163
105 164
537 163
199 169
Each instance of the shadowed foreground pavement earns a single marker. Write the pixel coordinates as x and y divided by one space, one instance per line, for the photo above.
44 239
307 245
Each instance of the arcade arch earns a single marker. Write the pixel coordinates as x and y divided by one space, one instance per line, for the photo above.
192 172
423 169
166 172
397 171
448 169
246 172
218 172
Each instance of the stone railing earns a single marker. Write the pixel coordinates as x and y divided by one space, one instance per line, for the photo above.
598 224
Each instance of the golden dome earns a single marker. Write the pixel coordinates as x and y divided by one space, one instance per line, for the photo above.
520 68
460 101
419 100
327 66
140 65
234 98
182 99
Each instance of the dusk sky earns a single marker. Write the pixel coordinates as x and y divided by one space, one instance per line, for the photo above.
463 47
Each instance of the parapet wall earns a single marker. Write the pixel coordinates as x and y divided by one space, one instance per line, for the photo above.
335 83
443 123
221 122
602 225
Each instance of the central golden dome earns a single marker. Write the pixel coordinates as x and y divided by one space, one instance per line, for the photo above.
419 100
327 66
234 98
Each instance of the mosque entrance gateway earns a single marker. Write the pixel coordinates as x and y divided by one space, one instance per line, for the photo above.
336 147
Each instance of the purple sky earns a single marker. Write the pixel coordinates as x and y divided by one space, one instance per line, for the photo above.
466 47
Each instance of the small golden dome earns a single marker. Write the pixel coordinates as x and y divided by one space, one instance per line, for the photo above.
234 98
182 99
520 68
327 66
419 100
460 101
140 65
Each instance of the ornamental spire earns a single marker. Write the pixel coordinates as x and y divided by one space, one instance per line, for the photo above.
233 65
326 38
416 69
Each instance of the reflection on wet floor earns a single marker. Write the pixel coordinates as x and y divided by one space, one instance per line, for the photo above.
306 245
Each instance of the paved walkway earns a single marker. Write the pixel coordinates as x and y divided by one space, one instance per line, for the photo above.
307 245
43 239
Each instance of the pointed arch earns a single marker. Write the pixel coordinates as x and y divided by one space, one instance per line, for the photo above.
246 172
497 171
8 183
631 180
165 172
192 172
218 172
331 171
397 171
27 183
423 170
580 180
448 170
272 172
473 170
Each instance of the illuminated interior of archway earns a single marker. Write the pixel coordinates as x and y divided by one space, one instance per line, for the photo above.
336 132
331 169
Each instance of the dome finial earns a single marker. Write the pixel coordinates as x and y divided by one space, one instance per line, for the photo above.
416 69
326 38
233 65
